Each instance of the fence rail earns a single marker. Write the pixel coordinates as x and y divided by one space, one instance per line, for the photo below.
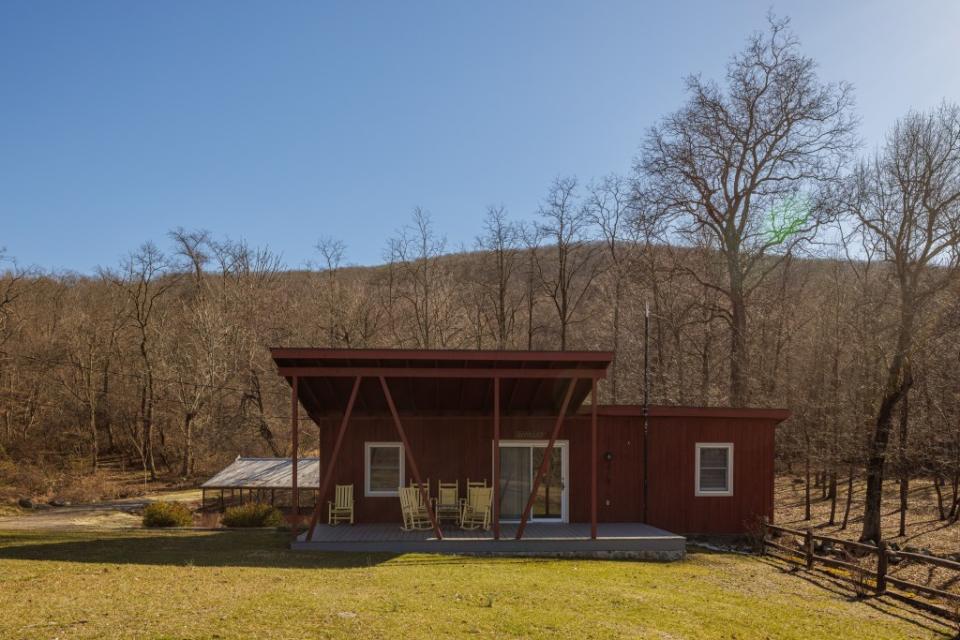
806 555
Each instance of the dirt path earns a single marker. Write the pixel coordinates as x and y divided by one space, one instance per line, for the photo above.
114 514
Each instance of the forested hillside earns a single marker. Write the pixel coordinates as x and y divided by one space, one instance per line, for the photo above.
782 266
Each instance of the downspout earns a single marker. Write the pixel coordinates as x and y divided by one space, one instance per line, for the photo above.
646 409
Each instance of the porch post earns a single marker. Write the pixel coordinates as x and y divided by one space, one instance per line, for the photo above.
295 446
409 453
328 473
537 479
496 458
593 459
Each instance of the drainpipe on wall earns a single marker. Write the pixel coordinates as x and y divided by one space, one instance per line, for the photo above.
646 408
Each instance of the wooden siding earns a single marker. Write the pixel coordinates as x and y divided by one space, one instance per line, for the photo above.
461 448
673 503
458 448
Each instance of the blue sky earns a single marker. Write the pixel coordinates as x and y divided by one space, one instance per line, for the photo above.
279 122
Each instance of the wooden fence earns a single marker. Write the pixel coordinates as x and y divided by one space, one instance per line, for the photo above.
877 579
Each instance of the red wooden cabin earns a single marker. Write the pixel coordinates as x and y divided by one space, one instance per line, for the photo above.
387 417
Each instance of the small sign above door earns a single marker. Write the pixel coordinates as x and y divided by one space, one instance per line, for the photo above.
530 435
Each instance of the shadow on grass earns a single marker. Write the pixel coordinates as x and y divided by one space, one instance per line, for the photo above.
267 549
886 605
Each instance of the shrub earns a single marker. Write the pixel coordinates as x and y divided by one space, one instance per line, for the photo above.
252 515
167 514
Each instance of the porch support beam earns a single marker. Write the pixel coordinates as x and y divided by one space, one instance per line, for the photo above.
496 458
328 472
412 372
410 459
547 455
295 449
593 460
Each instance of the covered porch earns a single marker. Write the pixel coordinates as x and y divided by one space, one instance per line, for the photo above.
515 420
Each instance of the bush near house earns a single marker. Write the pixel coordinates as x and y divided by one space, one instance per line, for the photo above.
252 515
167 514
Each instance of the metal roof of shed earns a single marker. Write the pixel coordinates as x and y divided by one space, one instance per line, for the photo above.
265 473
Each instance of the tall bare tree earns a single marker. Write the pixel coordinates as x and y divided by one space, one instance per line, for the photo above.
745 168
609 205
500 250
905 203
423 283
145 277
567 256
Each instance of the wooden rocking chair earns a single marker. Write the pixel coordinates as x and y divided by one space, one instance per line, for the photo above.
471 485
340 509
415 515
426 489
447 503
476 510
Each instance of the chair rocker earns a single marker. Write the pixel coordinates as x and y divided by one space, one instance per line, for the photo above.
340 509
447 504
476 510
415 516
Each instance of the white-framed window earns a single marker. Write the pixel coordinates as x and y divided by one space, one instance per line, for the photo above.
714 469
383 468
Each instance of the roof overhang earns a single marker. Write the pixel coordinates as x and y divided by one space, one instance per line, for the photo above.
440 382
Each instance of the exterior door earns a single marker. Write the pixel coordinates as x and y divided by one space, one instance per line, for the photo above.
519 463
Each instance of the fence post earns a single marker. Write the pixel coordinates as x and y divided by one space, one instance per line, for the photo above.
763 535
808 548
881 567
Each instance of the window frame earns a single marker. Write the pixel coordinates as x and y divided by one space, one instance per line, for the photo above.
367 449
698 491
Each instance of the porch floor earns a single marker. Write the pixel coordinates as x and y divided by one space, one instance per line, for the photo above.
623 539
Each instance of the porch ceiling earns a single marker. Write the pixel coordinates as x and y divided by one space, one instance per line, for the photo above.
440 382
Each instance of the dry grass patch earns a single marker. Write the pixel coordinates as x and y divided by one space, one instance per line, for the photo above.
924 528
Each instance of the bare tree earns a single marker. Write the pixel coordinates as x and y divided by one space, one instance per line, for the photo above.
905 203
145 277
332 252
500 249
746 169
423 283
94 329
566 260
610 208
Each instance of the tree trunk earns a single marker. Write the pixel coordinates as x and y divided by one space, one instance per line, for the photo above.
955 500
846 508
937 483
94 445
904 470
147 407
187 445
806 475
531 303
738 337
614 368
898 383
832 494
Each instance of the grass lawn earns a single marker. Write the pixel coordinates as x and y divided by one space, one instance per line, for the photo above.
248 584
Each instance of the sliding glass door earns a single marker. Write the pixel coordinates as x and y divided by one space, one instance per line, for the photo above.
519 463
